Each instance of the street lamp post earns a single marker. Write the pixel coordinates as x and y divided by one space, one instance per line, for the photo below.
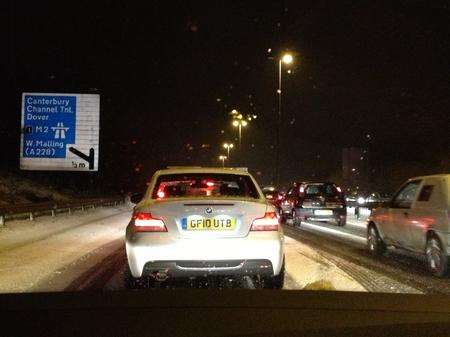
228 147
286 59
223 158
239 123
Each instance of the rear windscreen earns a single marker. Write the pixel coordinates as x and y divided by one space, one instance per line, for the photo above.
201 185
321 189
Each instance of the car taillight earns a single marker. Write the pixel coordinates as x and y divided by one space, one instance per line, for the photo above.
145 222
269 222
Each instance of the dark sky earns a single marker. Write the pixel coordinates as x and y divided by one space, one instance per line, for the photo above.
367 73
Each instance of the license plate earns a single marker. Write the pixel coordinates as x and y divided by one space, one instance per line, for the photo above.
323 212
200 223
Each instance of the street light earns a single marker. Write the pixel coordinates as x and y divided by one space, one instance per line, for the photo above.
223 158
228 147
286 59
239 123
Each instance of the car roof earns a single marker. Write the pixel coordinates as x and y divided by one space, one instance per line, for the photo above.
314 182
441 175
199 169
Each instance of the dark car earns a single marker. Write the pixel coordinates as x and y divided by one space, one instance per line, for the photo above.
320 201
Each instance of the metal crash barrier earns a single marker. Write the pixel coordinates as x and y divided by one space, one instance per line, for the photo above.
30 211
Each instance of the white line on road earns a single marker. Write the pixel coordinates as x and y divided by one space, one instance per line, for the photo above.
335 232
360 224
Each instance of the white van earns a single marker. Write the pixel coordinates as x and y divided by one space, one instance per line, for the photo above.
417 219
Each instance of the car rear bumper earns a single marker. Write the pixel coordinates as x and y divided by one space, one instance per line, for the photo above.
286 209
203 268
310 213
445 239
150 250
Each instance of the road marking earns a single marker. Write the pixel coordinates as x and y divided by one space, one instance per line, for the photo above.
359 224
335 232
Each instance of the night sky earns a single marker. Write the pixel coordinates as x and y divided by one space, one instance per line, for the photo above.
373 74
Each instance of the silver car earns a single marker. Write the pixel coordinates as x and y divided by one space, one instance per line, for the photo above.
417 219
201 222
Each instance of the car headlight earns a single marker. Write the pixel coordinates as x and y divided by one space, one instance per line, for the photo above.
361 201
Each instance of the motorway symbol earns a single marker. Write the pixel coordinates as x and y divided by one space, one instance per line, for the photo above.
60 131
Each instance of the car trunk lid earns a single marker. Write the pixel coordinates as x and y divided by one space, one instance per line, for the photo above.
208 218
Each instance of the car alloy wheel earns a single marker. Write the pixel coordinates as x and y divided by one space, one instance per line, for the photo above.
436 259
295 219
375 244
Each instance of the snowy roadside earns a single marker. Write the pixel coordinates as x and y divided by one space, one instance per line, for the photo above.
309 270
33 251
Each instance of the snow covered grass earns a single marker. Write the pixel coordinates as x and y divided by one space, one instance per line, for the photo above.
33 251
15 189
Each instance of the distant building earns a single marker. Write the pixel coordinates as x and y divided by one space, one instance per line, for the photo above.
355 169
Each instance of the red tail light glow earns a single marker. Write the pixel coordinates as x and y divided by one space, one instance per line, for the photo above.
145 222
161 194
269 222
210 183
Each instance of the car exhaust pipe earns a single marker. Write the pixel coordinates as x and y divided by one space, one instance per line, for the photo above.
160 275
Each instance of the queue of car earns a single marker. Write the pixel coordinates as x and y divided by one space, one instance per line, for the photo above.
416 218
195 221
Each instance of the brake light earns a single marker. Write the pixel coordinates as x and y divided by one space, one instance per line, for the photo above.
280 197
209 183
302 189
269 222
161 194
145 222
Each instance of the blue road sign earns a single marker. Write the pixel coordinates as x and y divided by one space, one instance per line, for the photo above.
49 125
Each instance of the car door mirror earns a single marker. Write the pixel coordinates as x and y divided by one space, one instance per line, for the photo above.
136 197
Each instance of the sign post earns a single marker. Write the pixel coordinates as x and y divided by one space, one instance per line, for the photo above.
60 132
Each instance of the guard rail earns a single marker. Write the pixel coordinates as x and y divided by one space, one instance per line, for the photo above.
31 210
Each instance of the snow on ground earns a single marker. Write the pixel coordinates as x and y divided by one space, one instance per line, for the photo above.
31 252
356 223
18 189
47 254
309 270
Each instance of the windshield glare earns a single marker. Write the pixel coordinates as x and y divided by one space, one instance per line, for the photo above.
285 145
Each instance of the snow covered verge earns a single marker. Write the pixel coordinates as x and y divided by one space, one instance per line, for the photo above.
32 252
309 270
18 190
